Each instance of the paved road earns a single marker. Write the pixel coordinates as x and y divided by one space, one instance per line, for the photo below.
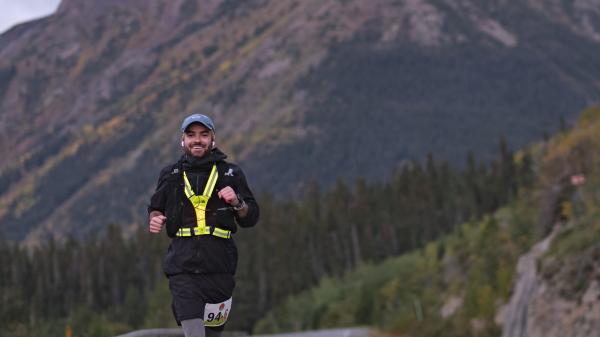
352 332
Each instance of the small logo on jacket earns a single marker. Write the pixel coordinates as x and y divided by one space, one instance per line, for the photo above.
229 172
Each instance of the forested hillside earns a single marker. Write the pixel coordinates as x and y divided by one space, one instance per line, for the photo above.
300 90
460 284
102 285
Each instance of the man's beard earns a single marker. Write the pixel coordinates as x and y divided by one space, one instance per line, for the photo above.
189 151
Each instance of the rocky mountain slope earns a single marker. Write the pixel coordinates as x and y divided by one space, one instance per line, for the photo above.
561 300
91 97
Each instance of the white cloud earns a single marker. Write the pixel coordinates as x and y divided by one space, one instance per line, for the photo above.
17 11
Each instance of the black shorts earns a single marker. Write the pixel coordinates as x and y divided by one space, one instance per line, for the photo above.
192 291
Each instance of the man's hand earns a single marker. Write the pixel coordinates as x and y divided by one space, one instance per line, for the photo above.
156 222
228 195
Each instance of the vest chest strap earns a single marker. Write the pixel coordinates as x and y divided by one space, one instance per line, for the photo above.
197 231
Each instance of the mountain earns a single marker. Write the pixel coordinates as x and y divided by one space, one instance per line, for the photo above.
92 96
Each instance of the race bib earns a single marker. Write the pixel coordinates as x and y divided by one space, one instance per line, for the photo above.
215 314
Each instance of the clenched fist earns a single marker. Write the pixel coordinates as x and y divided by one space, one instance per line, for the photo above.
156 222
228 195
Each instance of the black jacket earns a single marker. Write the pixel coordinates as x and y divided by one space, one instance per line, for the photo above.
203 254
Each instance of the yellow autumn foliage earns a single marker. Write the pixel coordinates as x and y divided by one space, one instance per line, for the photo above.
107 129
575 151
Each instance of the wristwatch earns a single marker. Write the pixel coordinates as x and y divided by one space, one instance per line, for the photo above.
241 204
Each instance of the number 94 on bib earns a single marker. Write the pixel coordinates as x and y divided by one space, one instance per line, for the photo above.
216 314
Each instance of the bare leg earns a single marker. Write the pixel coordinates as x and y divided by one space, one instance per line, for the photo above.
193 328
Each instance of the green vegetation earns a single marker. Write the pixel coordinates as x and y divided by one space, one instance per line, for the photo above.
101 286
575 240
406 294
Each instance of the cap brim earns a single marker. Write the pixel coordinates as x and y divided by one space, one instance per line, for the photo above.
193 122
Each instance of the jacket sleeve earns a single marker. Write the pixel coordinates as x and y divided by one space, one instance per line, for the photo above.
158 200
244 191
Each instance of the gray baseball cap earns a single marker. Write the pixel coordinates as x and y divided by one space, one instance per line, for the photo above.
197 118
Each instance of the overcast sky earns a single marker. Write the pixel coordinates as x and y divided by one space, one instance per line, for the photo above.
13 12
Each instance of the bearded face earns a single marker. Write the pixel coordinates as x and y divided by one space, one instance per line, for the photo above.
197 140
